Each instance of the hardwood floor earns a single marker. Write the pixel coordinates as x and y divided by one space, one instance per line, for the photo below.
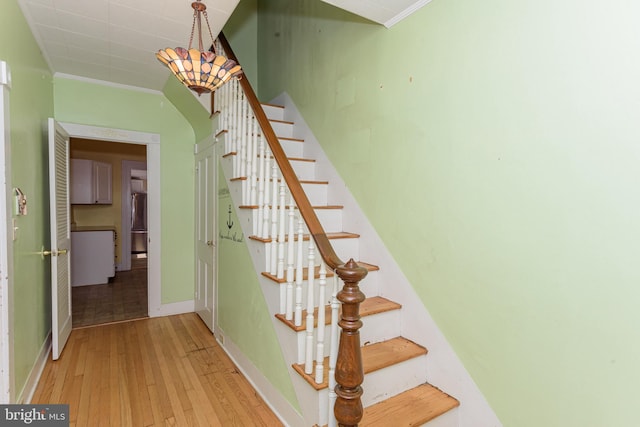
151 372
124 298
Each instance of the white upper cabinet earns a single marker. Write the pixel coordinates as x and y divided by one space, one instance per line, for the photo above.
90 182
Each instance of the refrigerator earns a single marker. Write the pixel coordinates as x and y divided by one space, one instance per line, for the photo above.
138 223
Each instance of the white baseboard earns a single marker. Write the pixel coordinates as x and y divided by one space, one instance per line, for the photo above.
29 388
181 307
272 397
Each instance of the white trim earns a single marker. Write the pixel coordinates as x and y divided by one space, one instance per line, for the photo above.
6 248
181 307
152 141
272 397
110 134
408 11
106 83
36 372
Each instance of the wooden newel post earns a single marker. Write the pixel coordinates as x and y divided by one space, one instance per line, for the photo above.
349 373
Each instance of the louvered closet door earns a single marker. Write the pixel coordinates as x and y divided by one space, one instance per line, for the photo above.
60 237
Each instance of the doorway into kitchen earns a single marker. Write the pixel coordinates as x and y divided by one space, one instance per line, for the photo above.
108 211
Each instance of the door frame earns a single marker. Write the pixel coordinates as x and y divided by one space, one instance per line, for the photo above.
152 142
7 387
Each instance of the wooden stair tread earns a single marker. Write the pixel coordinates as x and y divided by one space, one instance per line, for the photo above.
286 138
335 235
314 207
281 121
374 357
302 181
411 408
369 307
305 272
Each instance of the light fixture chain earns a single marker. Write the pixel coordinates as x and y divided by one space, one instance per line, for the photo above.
193 27
206 19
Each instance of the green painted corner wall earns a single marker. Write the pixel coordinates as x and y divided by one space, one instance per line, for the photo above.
190 108
31 103
241 31
241 310
98 105
494 147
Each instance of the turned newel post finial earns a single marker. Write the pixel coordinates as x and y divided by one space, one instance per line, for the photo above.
349 373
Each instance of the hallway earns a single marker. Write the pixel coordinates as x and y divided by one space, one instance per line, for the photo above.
151 372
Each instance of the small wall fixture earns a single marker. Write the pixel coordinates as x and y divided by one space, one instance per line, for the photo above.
201 71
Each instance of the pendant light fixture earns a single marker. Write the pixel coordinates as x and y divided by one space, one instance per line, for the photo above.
201 71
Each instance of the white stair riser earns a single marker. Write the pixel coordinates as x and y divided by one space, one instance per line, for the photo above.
346 248
380 327
316 193
448 419
304 170
273 112
392 380
292 148
282 128
331 219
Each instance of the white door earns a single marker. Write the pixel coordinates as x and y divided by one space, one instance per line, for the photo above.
205 232
60 237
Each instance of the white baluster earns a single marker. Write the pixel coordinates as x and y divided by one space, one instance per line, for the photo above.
261 161
290 270
333 350
274 219
265 216
308 361
299 274
233 131
243 135
253 196
281 230
322 285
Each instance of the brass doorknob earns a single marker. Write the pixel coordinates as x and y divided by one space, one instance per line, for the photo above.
209 243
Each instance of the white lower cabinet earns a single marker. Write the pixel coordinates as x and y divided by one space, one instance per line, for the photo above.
92 257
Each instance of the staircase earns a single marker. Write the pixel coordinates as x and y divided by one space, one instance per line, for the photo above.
396 392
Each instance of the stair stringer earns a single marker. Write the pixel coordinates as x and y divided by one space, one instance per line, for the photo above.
445 370
312 404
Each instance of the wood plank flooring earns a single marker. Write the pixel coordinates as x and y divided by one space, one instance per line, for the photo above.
166 371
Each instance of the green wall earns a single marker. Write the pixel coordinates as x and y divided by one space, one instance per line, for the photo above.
190 108
98 105
242 312
494 146
241 31
31 101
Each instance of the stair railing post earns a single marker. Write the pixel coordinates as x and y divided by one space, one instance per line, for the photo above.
349 372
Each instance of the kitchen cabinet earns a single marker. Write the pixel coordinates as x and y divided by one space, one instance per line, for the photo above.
90 182
92 255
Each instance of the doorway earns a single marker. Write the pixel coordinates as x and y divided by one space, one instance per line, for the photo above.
108 272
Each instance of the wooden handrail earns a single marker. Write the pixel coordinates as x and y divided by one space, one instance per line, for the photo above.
349 372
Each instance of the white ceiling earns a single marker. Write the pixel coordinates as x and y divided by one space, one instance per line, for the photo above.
116 40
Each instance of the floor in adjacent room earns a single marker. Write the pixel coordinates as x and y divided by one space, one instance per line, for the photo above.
123 298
